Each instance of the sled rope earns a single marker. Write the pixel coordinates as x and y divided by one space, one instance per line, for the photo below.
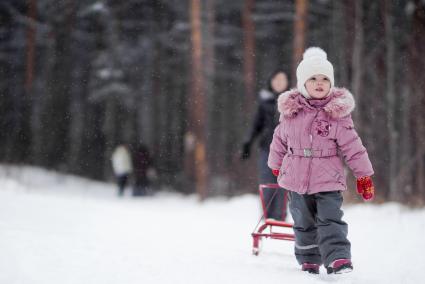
267 208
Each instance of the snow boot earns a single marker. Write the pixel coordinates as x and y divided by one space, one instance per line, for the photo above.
310 268
340 266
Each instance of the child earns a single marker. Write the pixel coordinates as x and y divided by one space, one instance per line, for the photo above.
314 134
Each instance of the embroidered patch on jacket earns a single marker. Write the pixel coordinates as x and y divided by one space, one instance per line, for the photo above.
323 127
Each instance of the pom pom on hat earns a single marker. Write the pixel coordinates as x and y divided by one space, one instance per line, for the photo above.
315 52
314 62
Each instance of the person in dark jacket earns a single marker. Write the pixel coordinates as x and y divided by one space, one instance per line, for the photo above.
142 163
265 121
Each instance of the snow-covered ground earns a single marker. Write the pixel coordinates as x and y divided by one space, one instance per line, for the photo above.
63 229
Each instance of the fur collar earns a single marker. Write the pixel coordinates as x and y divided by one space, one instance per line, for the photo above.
341 103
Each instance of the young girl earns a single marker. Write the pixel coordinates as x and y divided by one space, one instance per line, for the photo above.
314 135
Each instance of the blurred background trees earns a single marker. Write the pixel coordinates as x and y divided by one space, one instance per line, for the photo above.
77 77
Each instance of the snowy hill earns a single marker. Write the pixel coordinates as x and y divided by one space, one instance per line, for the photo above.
63 229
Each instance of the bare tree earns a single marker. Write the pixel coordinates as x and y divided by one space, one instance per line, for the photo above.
357 61
31 34
196 124
416 46
249 52
390 97
300 29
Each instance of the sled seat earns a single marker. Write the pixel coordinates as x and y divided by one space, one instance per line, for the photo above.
273 222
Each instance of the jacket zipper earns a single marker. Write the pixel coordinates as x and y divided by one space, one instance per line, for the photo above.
307 181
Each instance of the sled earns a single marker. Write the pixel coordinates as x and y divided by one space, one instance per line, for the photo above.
274 200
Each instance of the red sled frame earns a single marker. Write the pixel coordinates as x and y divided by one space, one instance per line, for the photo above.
259 233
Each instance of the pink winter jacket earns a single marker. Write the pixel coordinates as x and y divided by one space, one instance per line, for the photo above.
312 140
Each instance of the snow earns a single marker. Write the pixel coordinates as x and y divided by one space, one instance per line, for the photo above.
63 229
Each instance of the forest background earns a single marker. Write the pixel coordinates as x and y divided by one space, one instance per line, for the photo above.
182 77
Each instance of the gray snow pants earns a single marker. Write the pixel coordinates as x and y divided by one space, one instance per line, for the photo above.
320 233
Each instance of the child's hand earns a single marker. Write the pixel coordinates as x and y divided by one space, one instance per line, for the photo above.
275 172
365 188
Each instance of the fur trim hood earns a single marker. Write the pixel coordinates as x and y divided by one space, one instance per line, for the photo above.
341 103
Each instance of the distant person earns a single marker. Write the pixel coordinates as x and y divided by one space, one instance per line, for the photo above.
315 136
142 164
265 120
122 166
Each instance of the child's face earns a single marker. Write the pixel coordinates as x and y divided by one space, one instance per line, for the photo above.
318 86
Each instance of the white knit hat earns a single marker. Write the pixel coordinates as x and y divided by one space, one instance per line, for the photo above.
314 62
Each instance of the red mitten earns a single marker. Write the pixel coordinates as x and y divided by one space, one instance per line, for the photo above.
275 172
365 188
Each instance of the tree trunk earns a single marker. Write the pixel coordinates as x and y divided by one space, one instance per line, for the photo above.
56 113
249 97
196 123
249 53
339 30
29 72
357 62
417 64
213 153
390 99
300 28
31 35
404 175
78 107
